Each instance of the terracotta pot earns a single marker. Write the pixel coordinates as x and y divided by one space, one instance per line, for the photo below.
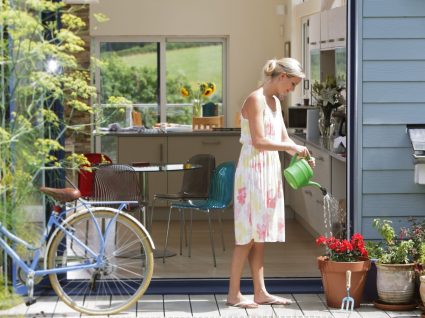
333 279
396 283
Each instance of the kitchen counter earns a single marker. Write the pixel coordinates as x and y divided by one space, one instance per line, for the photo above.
149 133
319 143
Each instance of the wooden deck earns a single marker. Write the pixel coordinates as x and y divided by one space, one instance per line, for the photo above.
304 305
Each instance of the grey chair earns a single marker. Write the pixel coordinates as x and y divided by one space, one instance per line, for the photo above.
195 185
118 182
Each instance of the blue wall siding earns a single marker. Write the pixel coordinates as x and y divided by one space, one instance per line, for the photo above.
393 95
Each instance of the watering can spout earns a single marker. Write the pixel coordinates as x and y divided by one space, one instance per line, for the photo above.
299 173
315 184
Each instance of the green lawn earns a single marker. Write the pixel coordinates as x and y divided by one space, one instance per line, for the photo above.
196 64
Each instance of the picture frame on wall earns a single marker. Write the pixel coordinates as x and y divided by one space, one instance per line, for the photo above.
287 49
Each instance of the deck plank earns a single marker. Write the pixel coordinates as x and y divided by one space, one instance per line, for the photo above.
292 310
204 306
312 305
369 311
16 311
97 300
63 310
228 311
404 314
150 306
44 307
130 312
177 306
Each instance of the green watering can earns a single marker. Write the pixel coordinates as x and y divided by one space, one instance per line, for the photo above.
299 173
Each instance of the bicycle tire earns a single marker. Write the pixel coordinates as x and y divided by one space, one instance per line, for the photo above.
94 291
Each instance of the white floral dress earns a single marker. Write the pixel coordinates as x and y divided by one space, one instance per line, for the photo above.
259 206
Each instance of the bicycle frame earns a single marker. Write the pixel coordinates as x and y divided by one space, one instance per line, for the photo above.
58 220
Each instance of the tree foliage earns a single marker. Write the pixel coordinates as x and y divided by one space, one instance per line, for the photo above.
38 72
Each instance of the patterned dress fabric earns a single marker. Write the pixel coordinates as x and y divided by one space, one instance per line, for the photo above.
259 206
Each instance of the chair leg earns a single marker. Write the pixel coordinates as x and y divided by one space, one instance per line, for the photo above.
221 229
181 230
190 233
151 217
185 228
211 237
166 235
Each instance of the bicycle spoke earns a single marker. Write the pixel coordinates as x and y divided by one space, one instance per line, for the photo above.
117 274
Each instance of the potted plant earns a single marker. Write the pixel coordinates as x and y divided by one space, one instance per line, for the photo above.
328 96
395 267
343 255
416 232
420 268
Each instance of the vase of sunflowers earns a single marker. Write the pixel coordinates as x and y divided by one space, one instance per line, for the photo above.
200 92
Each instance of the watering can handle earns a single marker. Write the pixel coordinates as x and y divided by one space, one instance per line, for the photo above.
348 279
295 158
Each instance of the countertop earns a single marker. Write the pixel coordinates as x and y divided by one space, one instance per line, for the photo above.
325 145
199 133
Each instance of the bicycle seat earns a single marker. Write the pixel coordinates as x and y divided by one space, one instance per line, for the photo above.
62 195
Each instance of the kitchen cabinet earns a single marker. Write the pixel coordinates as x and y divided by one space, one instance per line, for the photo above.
337 26
324 30
333 26
314 31
180 149
307 202
149 149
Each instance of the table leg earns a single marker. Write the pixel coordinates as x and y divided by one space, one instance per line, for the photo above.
144 190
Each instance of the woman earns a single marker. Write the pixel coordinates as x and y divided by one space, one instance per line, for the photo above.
258 202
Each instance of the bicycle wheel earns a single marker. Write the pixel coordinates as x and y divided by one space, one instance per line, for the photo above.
120 281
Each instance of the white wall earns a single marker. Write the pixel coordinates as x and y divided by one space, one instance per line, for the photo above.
252 28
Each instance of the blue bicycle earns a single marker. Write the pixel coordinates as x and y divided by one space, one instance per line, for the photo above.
99 259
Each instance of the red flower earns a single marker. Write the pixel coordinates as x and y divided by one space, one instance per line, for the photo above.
342 250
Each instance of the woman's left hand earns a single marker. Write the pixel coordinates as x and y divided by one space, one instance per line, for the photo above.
312 162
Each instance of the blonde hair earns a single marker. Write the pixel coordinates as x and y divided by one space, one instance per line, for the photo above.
286 65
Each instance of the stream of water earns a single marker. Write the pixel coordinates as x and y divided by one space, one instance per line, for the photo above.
333 216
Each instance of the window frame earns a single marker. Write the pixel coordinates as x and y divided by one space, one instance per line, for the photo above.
162 62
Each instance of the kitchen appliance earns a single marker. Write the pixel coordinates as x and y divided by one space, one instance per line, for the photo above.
297 119
299 173
313 132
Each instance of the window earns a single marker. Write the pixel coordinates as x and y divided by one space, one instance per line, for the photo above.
150 75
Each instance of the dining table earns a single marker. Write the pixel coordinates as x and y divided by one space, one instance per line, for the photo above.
143 169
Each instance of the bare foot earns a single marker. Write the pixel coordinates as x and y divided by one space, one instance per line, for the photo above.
240 302
267 299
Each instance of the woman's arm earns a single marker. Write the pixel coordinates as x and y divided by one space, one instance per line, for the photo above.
286 138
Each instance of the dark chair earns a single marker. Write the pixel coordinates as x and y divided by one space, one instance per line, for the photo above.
86 177
194 186
220 196
117 183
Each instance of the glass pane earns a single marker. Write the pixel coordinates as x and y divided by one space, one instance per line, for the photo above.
315 65
192 64
340 63
129 70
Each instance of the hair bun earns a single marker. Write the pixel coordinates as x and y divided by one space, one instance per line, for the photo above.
270 67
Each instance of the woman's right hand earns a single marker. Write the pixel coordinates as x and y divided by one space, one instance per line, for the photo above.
302 151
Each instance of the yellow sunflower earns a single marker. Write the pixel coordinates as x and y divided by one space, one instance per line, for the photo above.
212 86
186 91
208 92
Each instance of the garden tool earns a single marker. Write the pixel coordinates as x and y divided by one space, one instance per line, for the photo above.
347 302
299 173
